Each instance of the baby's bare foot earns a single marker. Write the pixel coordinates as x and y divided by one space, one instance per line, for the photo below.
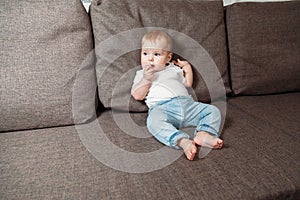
206 140
189 148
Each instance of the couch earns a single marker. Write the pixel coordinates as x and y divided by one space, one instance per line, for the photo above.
69 128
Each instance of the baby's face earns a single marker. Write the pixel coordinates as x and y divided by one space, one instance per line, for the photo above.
155 57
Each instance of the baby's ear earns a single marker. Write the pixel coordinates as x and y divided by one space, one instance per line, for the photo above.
170 56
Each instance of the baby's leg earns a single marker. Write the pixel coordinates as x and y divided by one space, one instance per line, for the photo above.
189 147
208 122
164 131
204 139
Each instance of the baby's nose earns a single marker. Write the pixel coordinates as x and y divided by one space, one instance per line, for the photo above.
150 58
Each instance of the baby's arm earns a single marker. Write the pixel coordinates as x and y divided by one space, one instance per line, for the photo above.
140 90
187 72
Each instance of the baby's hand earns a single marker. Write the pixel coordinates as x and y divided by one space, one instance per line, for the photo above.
185 65
187 72
148 72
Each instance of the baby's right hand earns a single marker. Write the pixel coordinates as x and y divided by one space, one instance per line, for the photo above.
148 73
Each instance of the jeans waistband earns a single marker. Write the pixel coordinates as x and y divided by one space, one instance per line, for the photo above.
170 100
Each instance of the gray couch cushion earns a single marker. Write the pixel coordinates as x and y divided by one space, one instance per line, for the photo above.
283 113
43 46
275 124
258 161
110 18
264 46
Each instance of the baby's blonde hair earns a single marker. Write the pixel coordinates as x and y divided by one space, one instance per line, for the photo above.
158 37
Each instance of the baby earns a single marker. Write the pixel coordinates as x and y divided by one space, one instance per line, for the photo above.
163 85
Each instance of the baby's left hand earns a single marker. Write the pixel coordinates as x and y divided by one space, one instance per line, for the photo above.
185 65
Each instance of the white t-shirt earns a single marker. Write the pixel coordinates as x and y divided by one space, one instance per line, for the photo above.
166 84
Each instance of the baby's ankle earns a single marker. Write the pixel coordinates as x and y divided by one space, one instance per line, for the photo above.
183 142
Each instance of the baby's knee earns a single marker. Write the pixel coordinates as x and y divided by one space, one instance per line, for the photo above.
215 111
155 120
156 116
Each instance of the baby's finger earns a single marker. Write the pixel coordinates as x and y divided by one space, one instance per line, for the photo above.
149 70
149 67
183 62
176 62
180 63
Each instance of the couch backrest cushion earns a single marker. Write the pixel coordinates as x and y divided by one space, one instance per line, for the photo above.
264 46
43 44
202 21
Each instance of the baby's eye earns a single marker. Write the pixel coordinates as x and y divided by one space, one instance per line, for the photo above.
145 53
157 54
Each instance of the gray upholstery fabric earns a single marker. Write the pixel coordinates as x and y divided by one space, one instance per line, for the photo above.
43 46
276 121
110 18
261 154
264 46
258 161
283 113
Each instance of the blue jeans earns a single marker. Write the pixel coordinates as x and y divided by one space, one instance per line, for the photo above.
166 118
